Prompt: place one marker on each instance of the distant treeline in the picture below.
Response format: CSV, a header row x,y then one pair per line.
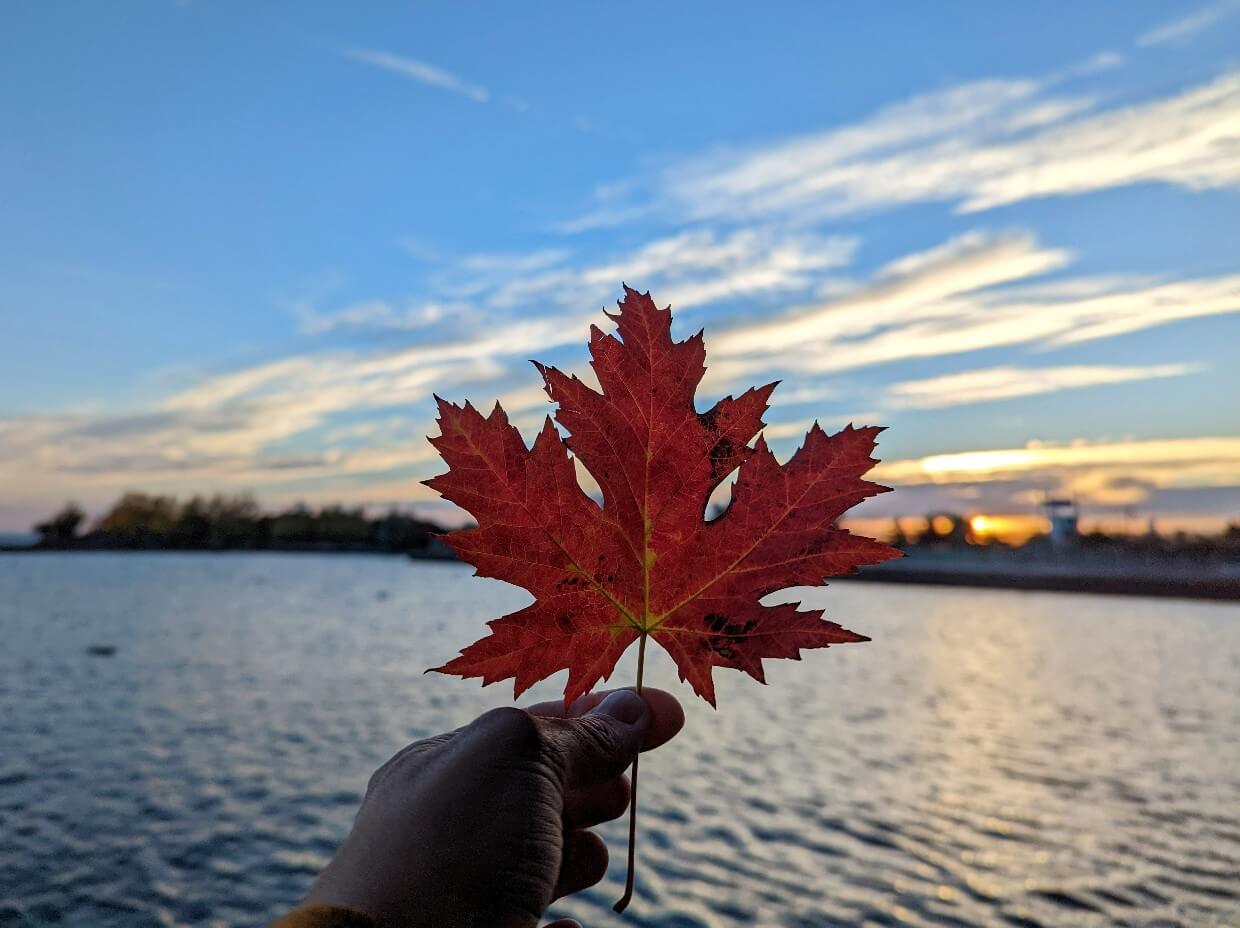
x,y
952,532
147,522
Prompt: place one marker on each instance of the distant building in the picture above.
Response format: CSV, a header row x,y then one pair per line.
x,y
1063,518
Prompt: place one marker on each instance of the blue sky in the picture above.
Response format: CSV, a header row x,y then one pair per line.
x,y
241,244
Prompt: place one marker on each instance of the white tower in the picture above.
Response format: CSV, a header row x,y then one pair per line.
x,y
1062,515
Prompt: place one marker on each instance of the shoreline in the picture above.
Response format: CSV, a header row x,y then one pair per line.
x,y
1189,586
1110,578
416,555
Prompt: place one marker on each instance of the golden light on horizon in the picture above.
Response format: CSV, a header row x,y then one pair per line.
x,y
981,524
1010,529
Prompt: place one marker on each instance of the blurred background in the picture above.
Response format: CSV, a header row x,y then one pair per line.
x,y
242,244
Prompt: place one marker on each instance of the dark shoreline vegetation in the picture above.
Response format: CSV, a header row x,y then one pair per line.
x,y
144,522
1150,564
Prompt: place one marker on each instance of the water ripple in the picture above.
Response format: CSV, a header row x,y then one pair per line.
x,y
992,758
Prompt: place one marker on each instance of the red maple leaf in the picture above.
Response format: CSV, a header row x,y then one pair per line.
x,y
646,563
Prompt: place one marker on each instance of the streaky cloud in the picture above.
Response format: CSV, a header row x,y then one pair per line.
x,y
1183,29
1105,472
964,296
976,147
1009,382
420,71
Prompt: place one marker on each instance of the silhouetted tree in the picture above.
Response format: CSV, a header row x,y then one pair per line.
x,y
145,521
139,520
193,528
62,528
234,521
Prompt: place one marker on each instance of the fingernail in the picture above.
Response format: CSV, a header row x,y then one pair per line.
x,y
623,706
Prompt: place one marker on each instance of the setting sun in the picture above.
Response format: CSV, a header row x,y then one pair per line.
x,y
1010,529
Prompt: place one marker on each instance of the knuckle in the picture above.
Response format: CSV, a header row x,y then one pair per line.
x,y
406,762
376,780
379,779
511,728
601,741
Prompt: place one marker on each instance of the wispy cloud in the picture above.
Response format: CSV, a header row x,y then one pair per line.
x,y
977,146
870,324
318,420
966,294
1096,64
697,267
1182,30
960,297
692,268
434,76
778,431
309,419
374,315
419,71
1007,382
1110,473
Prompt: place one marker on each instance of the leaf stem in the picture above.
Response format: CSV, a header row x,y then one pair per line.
x,y
624,900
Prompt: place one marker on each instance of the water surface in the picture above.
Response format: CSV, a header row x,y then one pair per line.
x,y
991,758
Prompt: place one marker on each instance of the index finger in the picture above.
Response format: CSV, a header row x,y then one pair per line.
x,y
666,716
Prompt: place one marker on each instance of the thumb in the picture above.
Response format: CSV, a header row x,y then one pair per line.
x,y
600,744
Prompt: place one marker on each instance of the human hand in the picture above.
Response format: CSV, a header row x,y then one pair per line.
x,y
485,826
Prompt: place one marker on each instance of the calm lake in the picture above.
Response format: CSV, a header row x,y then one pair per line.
x,y
991,758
